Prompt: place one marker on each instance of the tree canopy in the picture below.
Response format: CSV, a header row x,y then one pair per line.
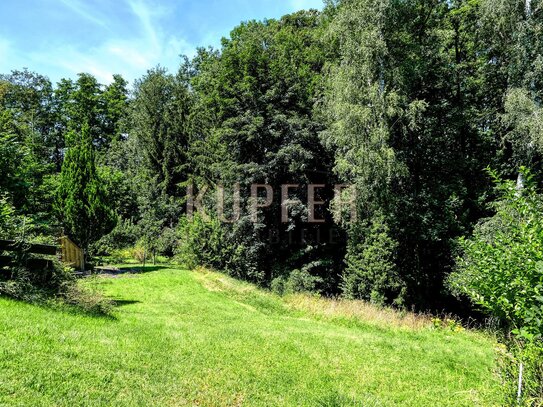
x,y
408,102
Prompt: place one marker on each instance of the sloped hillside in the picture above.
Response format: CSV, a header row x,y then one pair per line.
x,y
200,338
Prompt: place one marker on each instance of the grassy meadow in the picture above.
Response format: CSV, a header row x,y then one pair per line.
x,y
180,337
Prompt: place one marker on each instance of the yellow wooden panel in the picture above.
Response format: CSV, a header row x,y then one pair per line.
x,y
72,255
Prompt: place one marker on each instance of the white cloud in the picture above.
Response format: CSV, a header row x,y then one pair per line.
x,y
82,10
126,36
142,11
175,47
129,55
72,61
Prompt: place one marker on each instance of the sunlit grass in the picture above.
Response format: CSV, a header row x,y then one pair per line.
x,y
335,309
198,338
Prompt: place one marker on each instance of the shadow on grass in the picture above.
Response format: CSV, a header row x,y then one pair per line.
x,y
117,271
122,303
59,304
146,269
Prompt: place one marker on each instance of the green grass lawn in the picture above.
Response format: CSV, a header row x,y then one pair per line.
x,y
186,338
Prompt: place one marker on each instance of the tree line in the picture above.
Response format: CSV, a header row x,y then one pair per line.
x,y
408,101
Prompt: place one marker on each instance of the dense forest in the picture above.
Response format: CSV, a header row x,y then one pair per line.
x,y
389,151
421,107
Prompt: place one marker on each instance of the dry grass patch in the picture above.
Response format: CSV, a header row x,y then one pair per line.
x,y
358,310
329,308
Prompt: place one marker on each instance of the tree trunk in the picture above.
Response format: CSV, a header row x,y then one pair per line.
x,y
520,182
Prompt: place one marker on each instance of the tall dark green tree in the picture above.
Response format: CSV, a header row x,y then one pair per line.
x,y
408,121
115,105
82,204
26,126
161,124
257,93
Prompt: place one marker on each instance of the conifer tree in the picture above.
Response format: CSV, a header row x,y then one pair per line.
x,y
81,202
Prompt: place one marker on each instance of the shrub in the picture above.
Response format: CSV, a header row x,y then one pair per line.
x,y
167,242
243,251
371,272
232,248
124,235
23,283
55,285
278,285
298,281
500,268
119,256
139,253
301,281
6,217
200,242
84,299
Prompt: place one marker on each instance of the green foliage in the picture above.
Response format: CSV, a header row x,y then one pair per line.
x,y
371,273
200,242
408,101
32,285
359,107
411,106
82,204
159,216
501,266
205,242
123,235
86,102
448,324
25,153
115,108
298,281
509,361
161,123
7,221
54,285
525,120
255,98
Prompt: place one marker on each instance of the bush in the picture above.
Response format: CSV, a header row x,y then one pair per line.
x,y
139,253
119,256
371,272
298,281
500,268
124,235
55,285
84,299
243,251
200,242
278,285
301,281
7,217
168,242
27,284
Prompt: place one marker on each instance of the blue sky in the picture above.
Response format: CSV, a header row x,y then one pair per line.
x,y
60,38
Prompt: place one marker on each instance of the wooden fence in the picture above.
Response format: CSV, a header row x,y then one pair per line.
x,y
70,254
